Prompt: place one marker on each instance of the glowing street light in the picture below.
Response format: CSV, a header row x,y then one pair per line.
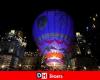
x,y
78,34
94,19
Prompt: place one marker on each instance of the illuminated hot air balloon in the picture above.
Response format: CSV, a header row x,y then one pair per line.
x,y
53,32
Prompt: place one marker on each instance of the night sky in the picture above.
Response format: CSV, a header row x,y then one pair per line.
x,y
21,15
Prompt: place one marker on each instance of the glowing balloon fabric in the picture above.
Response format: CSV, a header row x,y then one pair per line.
x,y
53,31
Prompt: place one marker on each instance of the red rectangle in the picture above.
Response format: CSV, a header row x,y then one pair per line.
x,y
51,75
